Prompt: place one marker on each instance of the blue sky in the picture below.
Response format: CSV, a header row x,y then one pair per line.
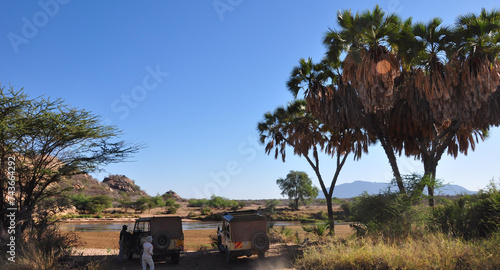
x,y
191,79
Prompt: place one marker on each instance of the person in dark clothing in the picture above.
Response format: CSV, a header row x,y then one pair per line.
x,y
123,235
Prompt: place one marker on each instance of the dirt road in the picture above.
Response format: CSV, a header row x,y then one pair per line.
x,y
278,257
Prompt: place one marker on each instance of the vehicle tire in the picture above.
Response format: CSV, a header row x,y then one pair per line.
x,y
161,240
219,244
228,255
260,242
176,258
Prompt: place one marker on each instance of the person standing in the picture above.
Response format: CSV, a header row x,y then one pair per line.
x,y
147,253
121,242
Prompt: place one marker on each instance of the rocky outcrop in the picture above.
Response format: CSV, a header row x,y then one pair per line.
x,y
122,183
172,194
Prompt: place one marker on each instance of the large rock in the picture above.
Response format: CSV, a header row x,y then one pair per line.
x,y
172,194
122,183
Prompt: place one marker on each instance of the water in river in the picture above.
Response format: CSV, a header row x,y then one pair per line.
x,y
190,225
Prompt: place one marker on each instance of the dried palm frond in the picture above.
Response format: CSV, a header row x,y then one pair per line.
x,y
372,75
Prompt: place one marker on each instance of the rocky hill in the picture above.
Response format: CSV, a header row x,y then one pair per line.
x,y
115,186
121,183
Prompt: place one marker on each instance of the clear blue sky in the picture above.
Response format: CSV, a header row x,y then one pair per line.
x,y
191,79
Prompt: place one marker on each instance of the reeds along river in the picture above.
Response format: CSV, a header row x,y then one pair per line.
x,y
114,226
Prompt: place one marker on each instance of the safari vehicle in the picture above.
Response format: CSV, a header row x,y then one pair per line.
x,y
168,238
243,233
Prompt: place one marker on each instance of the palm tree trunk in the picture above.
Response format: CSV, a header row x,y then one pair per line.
x,y
384,141
331,221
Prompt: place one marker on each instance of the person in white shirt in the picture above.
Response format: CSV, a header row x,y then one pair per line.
x,y
147,253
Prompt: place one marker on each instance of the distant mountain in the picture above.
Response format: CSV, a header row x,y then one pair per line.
x,y
356,188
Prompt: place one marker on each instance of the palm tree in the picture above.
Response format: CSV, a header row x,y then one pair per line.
x,y
293,126
421,89
365,93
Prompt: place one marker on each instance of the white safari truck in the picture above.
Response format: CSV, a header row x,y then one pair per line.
x,y
243,233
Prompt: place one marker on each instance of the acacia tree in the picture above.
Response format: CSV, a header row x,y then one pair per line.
x,y
294,127
298,187
50,141
422,89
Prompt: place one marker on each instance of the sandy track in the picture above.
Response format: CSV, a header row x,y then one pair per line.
x,y
103,247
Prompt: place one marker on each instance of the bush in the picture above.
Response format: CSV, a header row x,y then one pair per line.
x,y
197,203
221,202
97,204
93,205
389,214
271,205
435,251
205,210
172,210
318,229
470,216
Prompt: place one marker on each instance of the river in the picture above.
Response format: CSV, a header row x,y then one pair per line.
x,y
114,226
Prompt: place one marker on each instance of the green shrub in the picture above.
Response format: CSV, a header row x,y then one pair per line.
x,y
221,202
389,214
319,229
205,210
172,210
470,216
197,203
271,205
96,204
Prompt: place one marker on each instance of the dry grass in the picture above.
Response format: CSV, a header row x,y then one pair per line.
x,y
436,251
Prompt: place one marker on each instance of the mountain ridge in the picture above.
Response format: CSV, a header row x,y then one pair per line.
x,y
356,188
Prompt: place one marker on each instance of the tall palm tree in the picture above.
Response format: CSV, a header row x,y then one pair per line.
x,y
294,127
422,89
365,93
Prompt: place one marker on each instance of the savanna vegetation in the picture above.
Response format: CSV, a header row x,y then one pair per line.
x,y
420,90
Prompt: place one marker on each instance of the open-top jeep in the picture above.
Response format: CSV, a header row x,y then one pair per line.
x,y
243,233
168,238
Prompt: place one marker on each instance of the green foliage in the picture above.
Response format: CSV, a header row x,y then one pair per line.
x,y
298,187
172,210
79,201
205,210
197,202
221,202
52,133
389,214
470,216
271,205
172,206
158,201
97,204
319,229
125,203
93,205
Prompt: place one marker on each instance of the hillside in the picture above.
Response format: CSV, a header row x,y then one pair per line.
x,y
114,186
356,188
